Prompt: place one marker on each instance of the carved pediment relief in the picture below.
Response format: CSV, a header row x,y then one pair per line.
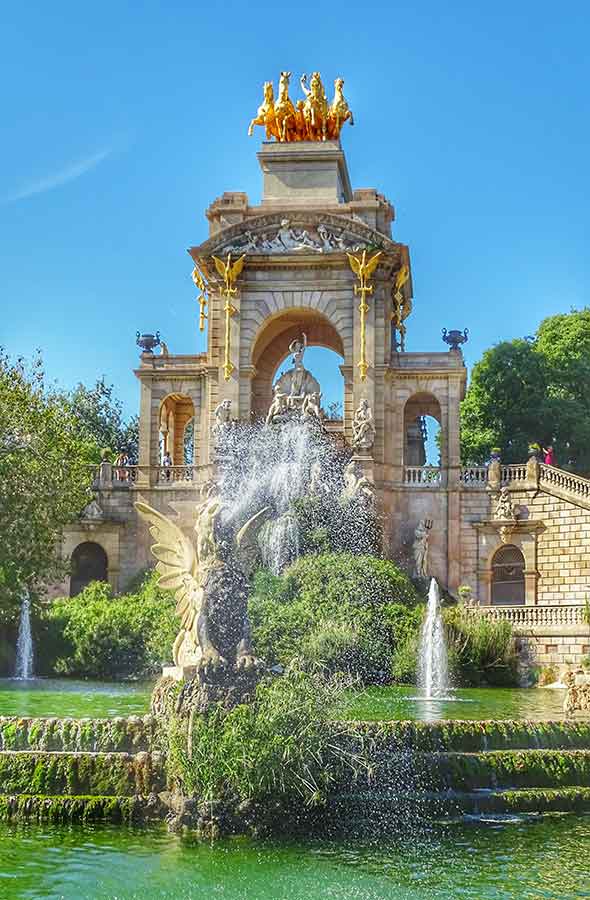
x,y
297,233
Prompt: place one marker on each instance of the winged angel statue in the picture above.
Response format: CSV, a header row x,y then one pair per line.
x,y
209,578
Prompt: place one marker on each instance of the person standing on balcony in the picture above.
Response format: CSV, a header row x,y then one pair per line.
x,y
167,463
121,464
549,455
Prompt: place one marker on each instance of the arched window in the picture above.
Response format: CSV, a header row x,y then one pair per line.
x,y
89,563
422,444
176,411
508,576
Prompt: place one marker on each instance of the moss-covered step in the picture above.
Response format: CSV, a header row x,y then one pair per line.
x,y
98,774
466,736
47,808
130,734
367,810
505,769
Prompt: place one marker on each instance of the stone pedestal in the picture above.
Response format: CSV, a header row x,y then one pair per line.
x,y
309,174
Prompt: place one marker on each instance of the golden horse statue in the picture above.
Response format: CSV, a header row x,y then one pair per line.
x,y
285,116
311,119
266,113
340,111
315,107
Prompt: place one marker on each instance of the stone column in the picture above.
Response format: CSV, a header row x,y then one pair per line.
x,y
145,460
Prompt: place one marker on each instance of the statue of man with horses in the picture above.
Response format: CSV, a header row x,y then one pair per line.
x,y
311,119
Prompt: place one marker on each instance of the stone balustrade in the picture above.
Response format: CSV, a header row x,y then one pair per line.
x,y
423,476
514,473
474,476
567,482
111,476
534,616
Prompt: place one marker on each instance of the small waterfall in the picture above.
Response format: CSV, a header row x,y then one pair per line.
x,y
24,644
280,543
433,670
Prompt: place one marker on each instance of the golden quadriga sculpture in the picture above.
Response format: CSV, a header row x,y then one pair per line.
x,y
311,119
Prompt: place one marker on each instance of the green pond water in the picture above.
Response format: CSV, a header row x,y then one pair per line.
x,y
65,697
401,702
544,858
79,699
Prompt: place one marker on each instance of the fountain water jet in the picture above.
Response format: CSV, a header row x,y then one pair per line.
x,y
433,669
24,644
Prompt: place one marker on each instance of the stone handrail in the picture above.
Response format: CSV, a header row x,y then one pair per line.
x,y
423,476
175,474
474,476
110,475
532,616
513,473
125,474
567,482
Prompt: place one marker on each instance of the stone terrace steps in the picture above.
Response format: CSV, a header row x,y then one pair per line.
x,y
43,772
79,808
131,734
467,735
444,769
80,769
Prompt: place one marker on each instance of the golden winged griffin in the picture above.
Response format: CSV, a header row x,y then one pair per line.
x,y
209,577
311,119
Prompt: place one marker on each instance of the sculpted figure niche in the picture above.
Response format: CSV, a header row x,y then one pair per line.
x,y
363,427
296,393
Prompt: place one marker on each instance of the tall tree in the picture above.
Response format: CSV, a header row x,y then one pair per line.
x,y
44,479
100,415
533,390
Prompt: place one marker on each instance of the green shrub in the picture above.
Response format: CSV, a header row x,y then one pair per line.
x,y
278,752
337,611
98,635
480,650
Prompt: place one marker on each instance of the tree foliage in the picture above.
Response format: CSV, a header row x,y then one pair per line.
x,y
537,390
98,635
101,419
44,479
336,611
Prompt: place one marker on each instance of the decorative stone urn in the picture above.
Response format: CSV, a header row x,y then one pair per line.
x,y
148,342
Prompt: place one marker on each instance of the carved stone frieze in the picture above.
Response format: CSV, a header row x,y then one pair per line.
x,y
299,232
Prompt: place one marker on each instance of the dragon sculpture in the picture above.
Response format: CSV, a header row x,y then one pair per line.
x,y
209,577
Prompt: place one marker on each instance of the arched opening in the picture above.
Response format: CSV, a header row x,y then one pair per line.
x,y
271,351
89,563
508,576
422,431
324,364
177,412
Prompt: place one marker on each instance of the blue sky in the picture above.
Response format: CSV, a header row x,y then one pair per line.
x,y
122,122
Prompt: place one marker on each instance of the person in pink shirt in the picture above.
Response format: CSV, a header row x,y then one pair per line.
x,y
549,455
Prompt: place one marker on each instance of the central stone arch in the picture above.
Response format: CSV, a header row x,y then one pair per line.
x,y
270,347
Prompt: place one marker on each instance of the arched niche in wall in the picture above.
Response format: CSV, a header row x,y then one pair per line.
x,y
508,583
89,562
271,349
422,424
177,411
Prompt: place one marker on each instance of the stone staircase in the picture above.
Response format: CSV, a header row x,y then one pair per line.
x,y
454,769
114,770
80,769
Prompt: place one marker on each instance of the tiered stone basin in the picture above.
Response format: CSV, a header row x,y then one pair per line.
x,y
69,768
